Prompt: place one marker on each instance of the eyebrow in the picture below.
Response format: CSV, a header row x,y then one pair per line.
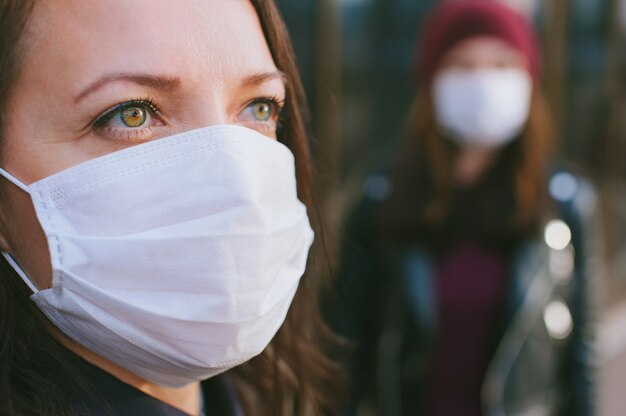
x,y
264,77
168,83
156,82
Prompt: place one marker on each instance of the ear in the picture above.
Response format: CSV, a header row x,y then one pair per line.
x,y
17,216
21,236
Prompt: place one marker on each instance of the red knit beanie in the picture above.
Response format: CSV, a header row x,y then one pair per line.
x,y
455,21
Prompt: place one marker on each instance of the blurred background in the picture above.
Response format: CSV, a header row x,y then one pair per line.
x,y
356,58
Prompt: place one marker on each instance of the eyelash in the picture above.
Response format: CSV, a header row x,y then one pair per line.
x,y
278,105
147,103
100,124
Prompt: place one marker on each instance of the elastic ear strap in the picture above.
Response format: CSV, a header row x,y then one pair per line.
x,y
14,181
19,271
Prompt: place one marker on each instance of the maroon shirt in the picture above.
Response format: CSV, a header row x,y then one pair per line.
x,y
470,285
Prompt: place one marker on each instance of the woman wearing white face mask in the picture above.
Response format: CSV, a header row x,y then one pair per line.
x,y
154,213
467,286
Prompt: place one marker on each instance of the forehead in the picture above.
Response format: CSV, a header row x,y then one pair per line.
x,y
483,46
78,40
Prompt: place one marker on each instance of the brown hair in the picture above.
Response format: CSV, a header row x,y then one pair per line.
x,y
292,376
423,177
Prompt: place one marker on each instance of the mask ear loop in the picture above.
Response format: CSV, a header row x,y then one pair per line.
x,y
6,255
19,271
15,181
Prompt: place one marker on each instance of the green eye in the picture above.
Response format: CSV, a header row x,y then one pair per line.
x,y
133,116
262,111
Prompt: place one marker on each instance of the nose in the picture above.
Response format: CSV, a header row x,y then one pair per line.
x,y
209,109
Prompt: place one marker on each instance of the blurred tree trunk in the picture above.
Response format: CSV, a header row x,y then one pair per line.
x,y
556,57
614,150
328,115
611,155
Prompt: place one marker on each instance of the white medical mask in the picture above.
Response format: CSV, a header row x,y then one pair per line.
x,y
483,108
177,259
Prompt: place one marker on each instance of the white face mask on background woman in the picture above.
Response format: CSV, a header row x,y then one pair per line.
x,y
178,258
485,108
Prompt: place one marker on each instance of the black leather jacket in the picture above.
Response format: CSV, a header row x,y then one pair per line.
x,y
543,364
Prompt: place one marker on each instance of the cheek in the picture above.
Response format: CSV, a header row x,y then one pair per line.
x,y
24,236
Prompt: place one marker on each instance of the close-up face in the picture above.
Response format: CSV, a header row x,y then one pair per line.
x,y
95,78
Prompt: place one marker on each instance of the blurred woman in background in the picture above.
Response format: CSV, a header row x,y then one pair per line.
x,y
465,281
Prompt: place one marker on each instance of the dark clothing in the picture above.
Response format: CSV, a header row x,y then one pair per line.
x,y
470,287
396,307
110,396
